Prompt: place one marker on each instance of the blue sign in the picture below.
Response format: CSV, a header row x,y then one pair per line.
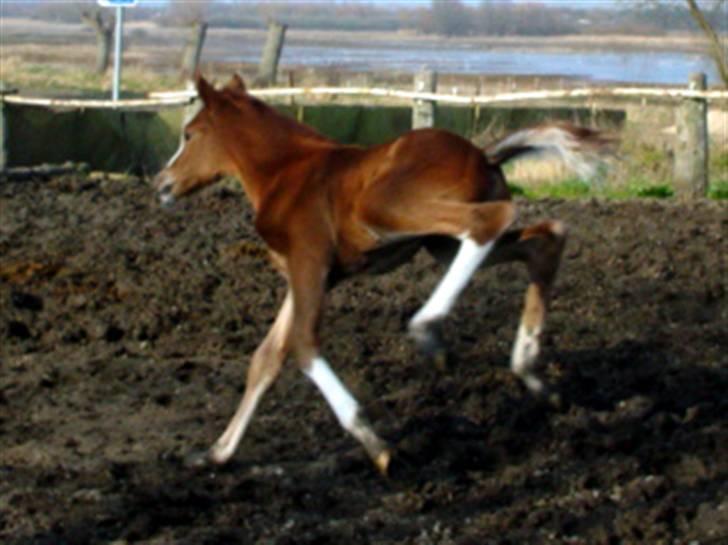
x,y
118,3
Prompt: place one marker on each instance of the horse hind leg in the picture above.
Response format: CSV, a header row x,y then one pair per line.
x,y
540,247
481,226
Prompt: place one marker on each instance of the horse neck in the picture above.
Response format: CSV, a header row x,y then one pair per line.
x,y
264,143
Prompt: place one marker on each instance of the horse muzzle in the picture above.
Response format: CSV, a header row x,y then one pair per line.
x,y
164,185
166,197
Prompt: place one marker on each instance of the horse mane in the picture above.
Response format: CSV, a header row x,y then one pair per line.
x,y
241,98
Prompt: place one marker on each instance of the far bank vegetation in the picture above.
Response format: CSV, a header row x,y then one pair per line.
x,y
443,17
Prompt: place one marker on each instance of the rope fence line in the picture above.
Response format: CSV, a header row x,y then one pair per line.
x,y
585,92
182,98
151,103
690,147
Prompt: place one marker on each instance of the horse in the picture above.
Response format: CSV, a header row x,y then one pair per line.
x,y
327,211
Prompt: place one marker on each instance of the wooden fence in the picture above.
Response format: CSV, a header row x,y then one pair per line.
x,y
691,148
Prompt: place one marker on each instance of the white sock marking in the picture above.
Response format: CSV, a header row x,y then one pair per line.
x,y
341,401
468,259
525,349
525,352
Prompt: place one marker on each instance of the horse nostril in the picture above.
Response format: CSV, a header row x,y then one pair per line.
x,y
166,198
164,193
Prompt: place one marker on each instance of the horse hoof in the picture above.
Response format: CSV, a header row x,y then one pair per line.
x,y
554,400
198,459
382,462
542,391
428,340
440,360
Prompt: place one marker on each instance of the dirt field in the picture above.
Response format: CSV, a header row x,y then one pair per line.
x,y
124,335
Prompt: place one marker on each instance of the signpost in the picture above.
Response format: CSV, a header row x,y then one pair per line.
x,y
118,39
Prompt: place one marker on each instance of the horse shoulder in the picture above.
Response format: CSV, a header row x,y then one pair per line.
x,y
294,210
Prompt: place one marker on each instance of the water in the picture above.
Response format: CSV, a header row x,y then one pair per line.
x,y
662,68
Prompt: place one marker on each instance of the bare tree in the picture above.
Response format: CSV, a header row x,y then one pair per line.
x,y
104,33
189,13
450,18
717,49
193,48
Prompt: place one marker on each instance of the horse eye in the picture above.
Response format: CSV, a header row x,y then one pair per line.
x,y
187,136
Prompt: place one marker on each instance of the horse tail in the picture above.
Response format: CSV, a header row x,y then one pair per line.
x,y
581,149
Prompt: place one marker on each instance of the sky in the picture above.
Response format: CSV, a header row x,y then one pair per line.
x,y
402,3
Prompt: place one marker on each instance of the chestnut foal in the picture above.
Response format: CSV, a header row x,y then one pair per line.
x,y
327,211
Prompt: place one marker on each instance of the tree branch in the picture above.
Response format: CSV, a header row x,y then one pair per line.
x,y
717,50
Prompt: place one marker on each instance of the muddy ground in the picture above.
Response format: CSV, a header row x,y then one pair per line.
x,y
124,336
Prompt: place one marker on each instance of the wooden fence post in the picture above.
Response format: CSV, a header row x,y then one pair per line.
x,y
193,48
268,68
423,111
4,140
691,144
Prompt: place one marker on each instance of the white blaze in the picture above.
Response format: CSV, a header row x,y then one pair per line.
x,y
181,147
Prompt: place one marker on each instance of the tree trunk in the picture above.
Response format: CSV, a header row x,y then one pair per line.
x,y
717,50
104,34
193,49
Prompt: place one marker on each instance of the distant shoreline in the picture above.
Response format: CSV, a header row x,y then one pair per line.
x,y
337,56
15,31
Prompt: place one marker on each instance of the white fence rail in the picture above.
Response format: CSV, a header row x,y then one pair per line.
x,y
81,104
378,92
181,98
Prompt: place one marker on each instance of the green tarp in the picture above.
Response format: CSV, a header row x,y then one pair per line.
x,y
143,141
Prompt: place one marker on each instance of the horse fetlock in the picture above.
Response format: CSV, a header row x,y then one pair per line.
x,y
525,349
524,356
534,384
377,449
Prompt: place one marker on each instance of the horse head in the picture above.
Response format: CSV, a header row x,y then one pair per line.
x,y
202,157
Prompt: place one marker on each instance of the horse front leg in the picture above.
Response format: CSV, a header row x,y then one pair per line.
x,y
264,367
307,279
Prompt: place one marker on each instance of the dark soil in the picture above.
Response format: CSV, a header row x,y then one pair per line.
x,y
124,337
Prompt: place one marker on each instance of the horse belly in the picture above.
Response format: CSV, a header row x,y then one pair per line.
x,y
389,256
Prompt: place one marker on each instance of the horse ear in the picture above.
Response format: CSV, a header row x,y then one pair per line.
x,y
236,83
205,91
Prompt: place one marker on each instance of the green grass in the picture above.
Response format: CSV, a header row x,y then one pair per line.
x,y
718,190
567,189
656,191
62,80
576,189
